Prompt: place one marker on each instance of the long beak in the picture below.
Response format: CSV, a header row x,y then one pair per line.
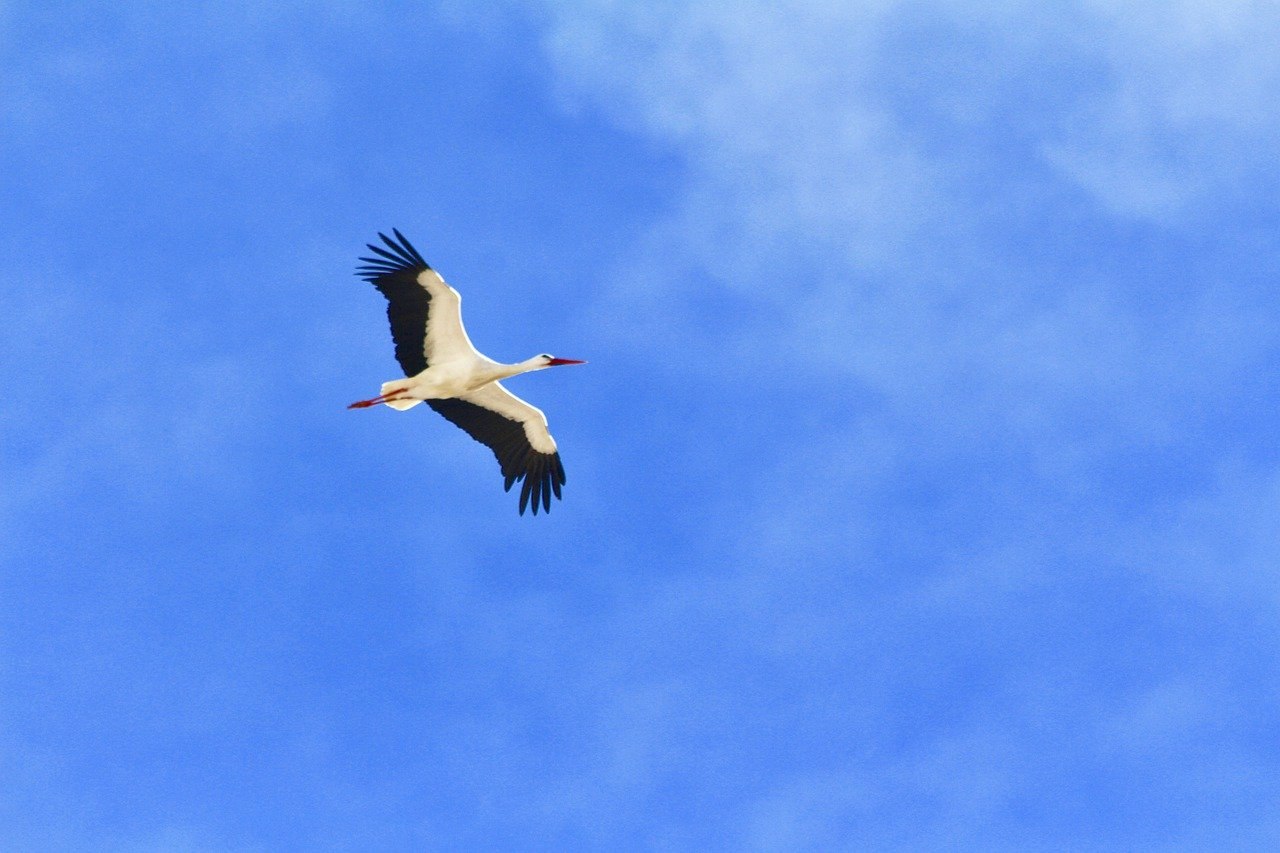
x,y
555,361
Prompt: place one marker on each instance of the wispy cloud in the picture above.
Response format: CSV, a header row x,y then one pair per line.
x,y
1181,118
1008,342
922,477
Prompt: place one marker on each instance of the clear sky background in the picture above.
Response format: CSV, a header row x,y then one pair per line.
x,y
923,487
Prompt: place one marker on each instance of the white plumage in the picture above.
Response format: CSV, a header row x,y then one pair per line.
x,y
443,369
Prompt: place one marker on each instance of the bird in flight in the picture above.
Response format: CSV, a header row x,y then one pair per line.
x,y
450,375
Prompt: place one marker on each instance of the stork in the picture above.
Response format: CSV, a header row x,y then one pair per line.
x,y
450,375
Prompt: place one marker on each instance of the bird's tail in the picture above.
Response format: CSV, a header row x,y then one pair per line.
x,y
400,405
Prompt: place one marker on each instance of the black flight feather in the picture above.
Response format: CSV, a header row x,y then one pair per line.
x,y
540,473
408,302
394,271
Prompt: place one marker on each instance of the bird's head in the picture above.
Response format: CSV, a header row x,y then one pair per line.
x,y
552,361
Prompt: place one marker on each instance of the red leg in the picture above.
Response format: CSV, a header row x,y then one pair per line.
x,y
388,397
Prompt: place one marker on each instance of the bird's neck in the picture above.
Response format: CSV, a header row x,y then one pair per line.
x,y
505,370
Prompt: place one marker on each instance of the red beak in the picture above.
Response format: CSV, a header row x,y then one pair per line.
x,y
553,362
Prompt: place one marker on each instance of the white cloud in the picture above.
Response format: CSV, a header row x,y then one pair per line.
x,y
843,243
926,256
825,221
832,234
1184,117
793,121
773,104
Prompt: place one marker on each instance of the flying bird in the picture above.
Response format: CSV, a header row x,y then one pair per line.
x,y
450,375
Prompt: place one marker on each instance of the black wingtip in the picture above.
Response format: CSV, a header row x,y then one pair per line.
x,y
544,478
397,256
535,477
541,476
404,241
525,490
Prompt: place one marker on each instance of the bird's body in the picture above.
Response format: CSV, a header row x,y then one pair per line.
x,y
444,370
454,378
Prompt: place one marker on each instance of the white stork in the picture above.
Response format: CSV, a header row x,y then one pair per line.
x,y
447,373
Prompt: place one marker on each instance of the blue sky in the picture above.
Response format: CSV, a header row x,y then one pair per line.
x,y
922,488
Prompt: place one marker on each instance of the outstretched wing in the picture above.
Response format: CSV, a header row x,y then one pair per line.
x,y
517,434
425,313
395,274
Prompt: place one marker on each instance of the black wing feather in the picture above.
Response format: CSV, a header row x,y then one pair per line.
x,y
394,271
407,246
395,274
524,495
541,473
